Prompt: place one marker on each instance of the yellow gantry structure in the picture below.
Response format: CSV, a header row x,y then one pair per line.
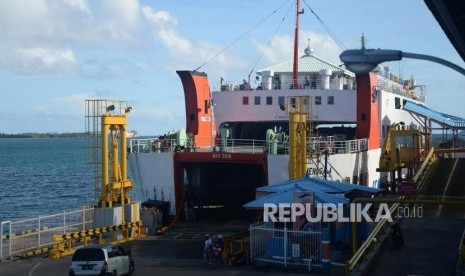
x,y
106,126
114,188
298,108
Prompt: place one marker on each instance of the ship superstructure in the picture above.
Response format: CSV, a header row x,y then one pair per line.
x,y
237,133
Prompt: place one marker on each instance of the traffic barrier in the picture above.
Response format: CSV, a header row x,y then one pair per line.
x,y
230,245
64,244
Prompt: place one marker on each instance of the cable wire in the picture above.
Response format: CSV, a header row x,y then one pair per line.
x,y
241,36
330,32
272,38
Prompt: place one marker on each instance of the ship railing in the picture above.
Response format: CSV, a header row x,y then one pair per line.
x,y
397,88
328,144
34,236
158,145
241,145
334,84
314,144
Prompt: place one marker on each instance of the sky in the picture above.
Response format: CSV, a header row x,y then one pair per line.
x,y
55,54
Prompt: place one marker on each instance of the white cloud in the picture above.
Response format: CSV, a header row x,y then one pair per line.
x,y
164,28
119,18
78,4
281,48
184,52
52,32
72,105
323,45
61,114
71,100
39,60
156,121
127,12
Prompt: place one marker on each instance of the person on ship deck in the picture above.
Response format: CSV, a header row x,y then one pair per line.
x,y
306,83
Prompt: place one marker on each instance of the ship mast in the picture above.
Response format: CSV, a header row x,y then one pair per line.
x,y
295,68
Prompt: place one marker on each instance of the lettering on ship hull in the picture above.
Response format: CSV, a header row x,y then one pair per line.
x,y
221,156
318,171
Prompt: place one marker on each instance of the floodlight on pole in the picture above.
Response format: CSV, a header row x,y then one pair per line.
x,y
363,60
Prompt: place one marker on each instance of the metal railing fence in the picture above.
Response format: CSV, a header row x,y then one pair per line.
x,y
286,248
36,233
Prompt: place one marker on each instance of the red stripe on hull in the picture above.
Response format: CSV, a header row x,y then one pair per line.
x,y
367,110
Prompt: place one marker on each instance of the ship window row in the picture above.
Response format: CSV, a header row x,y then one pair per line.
x,y
281,100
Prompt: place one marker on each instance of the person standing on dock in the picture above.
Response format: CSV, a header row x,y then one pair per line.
x,y
218,250
207,248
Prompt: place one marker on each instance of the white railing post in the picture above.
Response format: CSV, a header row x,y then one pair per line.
x,y
285,245
84,219
38,233
10,241
9,237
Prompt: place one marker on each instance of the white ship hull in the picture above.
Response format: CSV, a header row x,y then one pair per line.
x,y
223,156
153,173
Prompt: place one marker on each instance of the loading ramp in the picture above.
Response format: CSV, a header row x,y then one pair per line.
x,y
430,241
446,180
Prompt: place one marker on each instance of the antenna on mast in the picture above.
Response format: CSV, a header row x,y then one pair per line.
x,y
363,41
295,68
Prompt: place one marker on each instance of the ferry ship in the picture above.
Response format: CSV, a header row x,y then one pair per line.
x,y
132,134
236,135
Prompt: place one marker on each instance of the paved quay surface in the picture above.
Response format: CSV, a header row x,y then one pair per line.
x,y
152,257
180,252
430,248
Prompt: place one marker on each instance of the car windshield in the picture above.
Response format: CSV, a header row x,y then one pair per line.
x,y
88,254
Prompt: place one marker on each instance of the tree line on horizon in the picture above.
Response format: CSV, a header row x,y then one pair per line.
x,y
44,135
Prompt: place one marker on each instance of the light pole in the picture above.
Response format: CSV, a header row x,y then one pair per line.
x,y
363,60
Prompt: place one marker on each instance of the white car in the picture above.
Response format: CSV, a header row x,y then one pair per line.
x,y
105,260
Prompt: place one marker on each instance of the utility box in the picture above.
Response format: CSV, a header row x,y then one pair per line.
x,y
109,216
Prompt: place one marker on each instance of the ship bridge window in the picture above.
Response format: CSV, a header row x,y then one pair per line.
x,y
317,100
330,100
245,100
281,100
269,100
397,103
257,100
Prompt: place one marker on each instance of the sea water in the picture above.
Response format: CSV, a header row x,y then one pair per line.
x,y
47,176
43,176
